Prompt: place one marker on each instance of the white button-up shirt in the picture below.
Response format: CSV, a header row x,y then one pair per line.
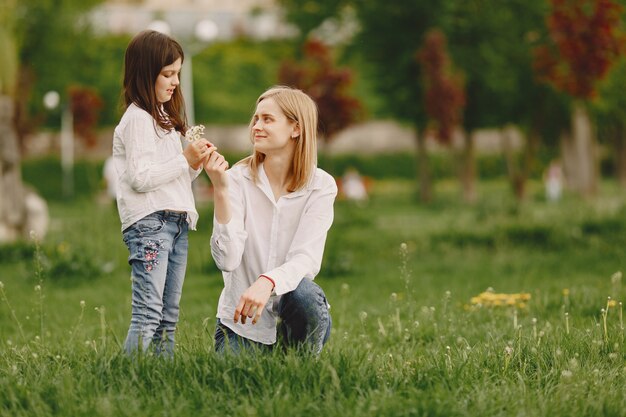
x,y
282,239
152,172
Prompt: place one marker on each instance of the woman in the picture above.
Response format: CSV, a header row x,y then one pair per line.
x,y
273,210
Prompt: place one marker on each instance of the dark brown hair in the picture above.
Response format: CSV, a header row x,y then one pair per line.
x,y
146,55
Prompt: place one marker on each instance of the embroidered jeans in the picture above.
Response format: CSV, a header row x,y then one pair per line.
x,y
304,322
157,246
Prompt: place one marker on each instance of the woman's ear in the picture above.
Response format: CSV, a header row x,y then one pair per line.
x,y
296,131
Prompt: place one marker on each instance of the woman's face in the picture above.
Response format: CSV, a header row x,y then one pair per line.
x,y
273,132
167,81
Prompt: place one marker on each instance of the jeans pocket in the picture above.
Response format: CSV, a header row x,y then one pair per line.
x,y
152,223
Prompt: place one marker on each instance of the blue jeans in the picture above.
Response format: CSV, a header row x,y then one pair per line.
x,y
304,321
157,246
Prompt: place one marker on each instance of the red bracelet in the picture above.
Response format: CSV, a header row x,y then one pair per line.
x,y
269,279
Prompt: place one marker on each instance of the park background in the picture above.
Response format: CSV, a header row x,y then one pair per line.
x,y
457,288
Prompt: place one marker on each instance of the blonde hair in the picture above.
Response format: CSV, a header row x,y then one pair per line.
x,y
301,109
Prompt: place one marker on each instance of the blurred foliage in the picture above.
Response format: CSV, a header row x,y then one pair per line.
x,y
585,40
328,85
46,176
52,39
229,76
8,47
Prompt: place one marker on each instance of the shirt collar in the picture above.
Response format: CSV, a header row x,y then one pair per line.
x,y
314,183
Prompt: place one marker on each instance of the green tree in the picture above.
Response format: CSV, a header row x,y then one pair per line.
x,y
609,111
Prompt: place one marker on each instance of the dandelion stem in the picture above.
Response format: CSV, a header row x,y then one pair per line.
x,y
19,325
605,313
566,323
103,328
39,287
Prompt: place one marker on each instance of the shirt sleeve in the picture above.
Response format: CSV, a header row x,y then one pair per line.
x,y
228,240
304,258
145,172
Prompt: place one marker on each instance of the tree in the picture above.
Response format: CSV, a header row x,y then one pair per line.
x,y
444,97
28,29
492,41
609,110
391,33
20,209
585,40
328,85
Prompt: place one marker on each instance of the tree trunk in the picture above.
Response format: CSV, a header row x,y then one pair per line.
x,y
424,177
620,155
468,169
21,210
515,173
579,153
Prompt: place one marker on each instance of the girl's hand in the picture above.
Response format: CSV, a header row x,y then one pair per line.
x,y
197,151
215,166
253,301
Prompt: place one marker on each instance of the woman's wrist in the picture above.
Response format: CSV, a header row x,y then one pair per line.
x,y
270,280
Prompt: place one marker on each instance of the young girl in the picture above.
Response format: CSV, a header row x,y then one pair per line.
x,y
272,213
154,197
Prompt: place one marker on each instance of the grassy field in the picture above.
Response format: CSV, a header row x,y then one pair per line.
x,y
411,335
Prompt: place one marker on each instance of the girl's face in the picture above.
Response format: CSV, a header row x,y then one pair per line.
x,y
167,81
273,132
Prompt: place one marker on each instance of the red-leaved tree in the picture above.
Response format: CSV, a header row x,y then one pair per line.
x,y
444,98
328,85
585,40
86,104
444,93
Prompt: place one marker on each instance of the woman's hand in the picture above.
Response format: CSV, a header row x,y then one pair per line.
x,y
215,166
197,151
253,301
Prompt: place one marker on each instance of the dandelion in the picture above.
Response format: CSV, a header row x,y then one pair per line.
x,y
566,323
394,297
37,288
612,355
345,289
82,303
567,374
616,281
449,357
194,133
363,316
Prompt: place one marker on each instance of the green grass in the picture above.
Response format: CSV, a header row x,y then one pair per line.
x,y
406,340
